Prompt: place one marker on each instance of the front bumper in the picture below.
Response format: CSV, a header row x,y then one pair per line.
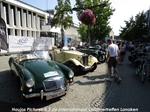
x,y
48,95
88,68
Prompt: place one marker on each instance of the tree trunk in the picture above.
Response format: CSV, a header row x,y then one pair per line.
x,y
62,36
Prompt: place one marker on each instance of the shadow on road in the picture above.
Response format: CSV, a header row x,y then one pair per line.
x,y
97,79
10,95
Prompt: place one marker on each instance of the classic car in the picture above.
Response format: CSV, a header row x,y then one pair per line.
x,y
75,60
96,51
39,76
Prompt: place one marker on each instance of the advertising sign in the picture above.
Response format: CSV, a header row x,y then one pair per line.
x,y
20,43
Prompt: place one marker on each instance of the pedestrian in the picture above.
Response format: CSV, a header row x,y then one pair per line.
x,y
111,59
122,49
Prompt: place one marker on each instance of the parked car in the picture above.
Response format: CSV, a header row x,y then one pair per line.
x,y
96,51
75,60
39,76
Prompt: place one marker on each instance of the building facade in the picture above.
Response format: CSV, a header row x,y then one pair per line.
x,y
24,20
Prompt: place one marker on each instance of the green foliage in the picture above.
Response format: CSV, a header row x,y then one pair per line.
x,y
101,28
62,16
135,28
83,32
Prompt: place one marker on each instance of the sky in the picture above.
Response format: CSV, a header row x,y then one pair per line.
x,y
124,10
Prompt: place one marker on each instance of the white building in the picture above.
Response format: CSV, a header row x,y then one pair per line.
x,y
111,34
71,32
21,18
24,20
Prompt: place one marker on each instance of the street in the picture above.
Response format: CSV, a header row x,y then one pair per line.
x,y
90,92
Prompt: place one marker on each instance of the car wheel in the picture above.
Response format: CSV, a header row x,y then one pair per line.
x,y
137,70
101,58
73,67
144,74
93,67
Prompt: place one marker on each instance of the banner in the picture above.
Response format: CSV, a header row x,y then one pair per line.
x,y
3,35
20,43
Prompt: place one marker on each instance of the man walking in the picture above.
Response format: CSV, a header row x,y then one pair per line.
x,y
113,53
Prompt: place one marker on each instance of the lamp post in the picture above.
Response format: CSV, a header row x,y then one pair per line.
x,y
89,26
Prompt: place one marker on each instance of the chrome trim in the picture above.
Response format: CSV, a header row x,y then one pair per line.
x,y
42,94
87,68
59,81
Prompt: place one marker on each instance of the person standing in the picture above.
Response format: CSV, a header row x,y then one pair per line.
x,y
122,48
111,59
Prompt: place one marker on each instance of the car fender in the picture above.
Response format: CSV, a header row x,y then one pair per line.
x,y
64,68
27,75
74,61
92,60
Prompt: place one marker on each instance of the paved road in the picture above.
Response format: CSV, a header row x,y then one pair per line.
x,y
131,94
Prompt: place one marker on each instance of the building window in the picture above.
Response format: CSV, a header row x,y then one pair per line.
x,y
21,32
15,32
19,10
9,32
27,33
7,12
13,8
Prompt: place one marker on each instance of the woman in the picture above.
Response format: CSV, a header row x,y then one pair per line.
x,y
122,49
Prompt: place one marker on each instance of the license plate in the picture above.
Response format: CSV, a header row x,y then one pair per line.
x,y
55,95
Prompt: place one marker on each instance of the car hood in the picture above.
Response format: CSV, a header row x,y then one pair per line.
x,y
42,69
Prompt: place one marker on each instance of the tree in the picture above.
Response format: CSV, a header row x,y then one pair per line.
x,y
101,28
62,17
135,28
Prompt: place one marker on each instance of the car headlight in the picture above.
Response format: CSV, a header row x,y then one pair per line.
x,y
71,74
30,83
91,56
79,57
96,52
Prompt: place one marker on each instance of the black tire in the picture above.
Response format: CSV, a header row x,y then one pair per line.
x,y
144,73
94,67
73,67
138,70
101,58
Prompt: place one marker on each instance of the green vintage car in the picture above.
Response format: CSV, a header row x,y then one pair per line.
x,y
75,60
39,76
96,51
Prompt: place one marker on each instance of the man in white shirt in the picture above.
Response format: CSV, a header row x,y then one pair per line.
x,y
113,52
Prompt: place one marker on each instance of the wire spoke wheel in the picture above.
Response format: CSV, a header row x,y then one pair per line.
x,y
101,58
144,73
73,67
138,70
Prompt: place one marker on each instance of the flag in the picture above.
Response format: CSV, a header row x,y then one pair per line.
x,y
3,35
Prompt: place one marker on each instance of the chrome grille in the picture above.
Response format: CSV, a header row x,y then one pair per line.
x,y
54,83
85,59
50,85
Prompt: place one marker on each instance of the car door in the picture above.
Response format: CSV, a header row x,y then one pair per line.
x,y
59,56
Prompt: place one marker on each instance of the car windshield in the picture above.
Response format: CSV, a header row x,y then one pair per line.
x,y
42,54
32,55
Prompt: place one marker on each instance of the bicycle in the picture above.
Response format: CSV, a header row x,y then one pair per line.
x,y
143,67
